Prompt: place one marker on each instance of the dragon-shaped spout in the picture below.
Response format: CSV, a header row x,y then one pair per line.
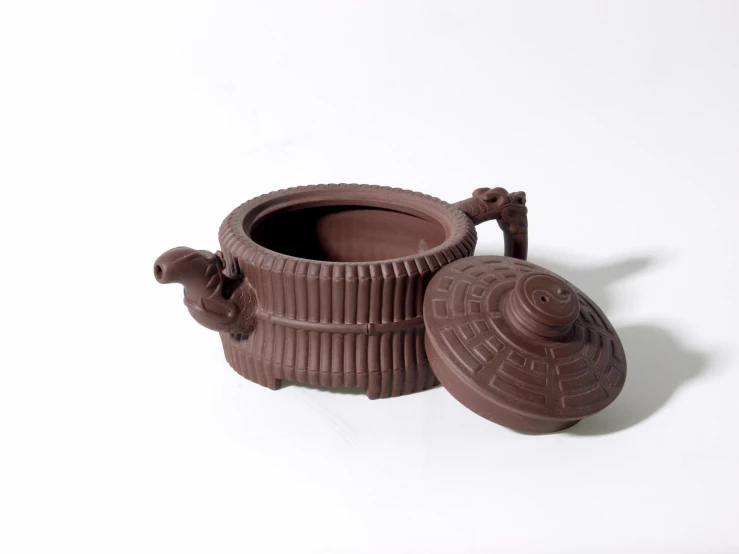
x,y
215,300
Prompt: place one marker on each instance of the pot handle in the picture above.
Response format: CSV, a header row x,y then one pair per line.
x,y
509,208
214,299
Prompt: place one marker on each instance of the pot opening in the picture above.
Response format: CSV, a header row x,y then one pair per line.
x,y
347,233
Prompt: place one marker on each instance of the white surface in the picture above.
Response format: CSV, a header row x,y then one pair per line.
x,y
128,128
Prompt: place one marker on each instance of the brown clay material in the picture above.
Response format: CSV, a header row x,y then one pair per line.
x,y
510,211
519,345
214,300
325,284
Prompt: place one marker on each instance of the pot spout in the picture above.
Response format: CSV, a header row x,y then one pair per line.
x,y
214,300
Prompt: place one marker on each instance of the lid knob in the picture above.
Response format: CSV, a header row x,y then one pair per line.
x,y
542,306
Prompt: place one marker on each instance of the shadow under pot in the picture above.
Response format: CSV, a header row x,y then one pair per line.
x,y
327,285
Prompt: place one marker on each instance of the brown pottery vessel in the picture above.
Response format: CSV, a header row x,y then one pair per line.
x,y
327,285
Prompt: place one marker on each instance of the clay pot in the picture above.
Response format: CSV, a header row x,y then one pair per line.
x,y
365,286
325,284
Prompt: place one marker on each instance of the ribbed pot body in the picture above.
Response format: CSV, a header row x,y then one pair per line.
x,y
339,274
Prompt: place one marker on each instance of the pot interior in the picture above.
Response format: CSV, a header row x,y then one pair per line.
x,y
347,233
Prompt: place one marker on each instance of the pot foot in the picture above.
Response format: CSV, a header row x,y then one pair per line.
x,y
270,383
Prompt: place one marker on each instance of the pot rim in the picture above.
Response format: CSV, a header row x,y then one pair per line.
x,y
459,242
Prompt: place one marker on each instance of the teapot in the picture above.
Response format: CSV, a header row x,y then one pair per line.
x,y
327,285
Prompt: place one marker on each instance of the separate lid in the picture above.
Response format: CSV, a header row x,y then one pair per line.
x,y
519,345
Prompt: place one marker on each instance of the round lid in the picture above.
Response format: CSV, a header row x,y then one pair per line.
x,y
519,345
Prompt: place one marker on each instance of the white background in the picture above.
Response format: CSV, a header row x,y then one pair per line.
x,y
127,128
